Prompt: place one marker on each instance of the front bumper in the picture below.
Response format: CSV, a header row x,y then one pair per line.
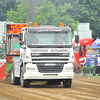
x,y
37,75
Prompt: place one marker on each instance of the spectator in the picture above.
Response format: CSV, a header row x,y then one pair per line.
x,y
96,60
88,63
95,63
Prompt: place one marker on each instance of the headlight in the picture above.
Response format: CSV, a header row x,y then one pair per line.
x,y
30,68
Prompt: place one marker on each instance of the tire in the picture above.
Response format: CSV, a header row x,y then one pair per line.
x,y
94,72
67,83
24,83
14,80
78,70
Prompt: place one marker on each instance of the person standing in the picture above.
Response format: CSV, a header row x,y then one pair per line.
x,y
95,63
96,60
88,63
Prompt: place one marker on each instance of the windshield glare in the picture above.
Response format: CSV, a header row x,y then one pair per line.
x,y
49,39
92,51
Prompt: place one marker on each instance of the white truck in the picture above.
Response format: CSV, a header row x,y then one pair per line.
x,y
46,54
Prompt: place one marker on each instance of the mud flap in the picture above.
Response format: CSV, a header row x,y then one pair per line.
x,y
17,64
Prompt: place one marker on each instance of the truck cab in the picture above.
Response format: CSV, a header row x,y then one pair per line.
x,y
46,54
12,45
79,53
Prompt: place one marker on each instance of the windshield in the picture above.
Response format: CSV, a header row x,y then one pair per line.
x,y
75,49
92,51
13,45
49,39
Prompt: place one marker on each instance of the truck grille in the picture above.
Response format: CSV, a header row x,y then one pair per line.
x,y
50,57
50,68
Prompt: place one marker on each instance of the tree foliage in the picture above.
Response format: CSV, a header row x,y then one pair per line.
x,y
67,18
6,5
31,6
84,11
88,11
17,16
47,15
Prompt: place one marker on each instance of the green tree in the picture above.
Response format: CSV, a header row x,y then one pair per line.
x,y
31,6
6,5
60,2
46,14
87,11
67,18
17,16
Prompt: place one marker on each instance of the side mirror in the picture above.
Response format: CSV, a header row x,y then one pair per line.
x,y
21,42
20,36
76,38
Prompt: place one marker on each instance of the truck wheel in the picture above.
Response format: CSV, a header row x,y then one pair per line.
x,y
24,83
67,83
14,80
94,72
78,70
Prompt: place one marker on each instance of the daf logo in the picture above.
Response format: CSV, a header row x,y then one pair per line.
x,y
50,64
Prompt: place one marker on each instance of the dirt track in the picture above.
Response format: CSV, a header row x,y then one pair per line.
x,y
83,88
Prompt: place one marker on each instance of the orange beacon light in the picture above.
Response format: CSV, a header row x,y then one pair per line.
x,y
35,24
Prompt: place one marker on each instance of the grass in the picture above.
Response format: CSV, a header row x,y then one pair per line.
x,y
88,75
8,67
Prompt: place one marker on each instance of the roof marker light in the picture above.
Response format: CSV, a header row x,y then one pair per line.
x,y
61,24
35,24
